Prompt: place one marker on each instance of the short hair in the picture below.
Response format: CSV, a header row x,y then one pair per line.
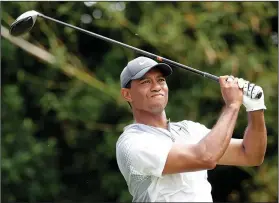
x,y
129,86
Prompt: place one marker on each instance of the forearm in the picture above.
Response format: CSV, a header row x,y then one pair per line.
x,y
214,145
255,137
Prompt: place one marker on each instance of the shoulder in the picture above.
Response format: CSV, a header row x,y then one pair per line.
x,y
131,132
138,137
132,135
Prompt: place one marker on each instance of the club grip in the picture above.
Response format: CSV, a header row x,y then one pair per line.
x,y
215,78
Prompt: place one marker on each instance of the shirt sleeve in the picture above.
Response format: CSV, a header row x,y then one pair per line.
x,y
147,154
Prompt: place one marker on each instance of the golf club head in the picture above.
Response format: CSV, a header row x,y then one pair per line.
x,y
23,23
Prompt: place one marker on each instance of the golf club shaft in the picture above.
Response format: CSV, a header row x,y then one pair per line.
x,y
158,58
145,53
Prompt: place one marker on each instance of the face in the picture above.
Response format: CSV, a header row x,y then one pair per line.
x,y
149,93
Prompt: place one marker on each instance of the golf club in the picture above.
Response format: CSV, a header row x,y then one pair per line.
x,y
26,21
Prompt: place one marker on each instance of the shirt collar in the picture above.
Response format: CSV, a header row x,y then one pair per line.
x,y
135,123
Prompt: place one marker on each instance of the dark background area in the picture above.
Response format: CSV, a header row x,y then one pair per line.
x,y
60,121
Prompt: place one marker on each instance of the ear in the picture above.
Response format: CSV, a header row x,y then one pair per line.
x,y
125,92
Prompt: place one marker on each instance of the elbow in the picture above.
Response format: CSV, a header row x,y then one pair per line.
x,y
210,164
208,161
258,161
254,158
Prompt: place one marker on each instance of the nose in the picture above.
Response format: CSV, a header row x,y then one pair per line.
x,y
155,87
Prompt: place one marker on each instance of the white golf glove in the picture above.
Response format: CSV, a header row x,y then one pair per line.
x,y
250,91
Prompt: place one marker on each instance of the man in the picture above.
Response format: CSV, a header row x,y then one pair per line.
x,y
168,161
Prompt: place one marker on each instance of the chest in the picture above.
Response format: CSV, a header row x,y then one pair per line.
x,y
180,134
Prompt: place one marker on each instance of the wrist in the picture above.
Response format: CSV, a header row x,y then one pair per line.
x,y
254,107
254,115
256,121
233,106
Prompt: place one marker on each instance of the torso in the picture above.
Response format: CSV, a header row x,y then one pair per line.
x,y
189,186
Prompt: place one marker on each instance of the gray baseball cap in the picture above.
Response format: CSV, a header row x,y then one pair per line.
x,y
138,67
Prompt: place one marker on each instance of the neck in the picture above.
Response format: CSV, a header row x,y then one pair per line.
x,y
151,119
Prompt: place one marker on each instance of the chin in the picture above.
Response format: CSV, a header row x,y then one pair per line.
x,y
157,109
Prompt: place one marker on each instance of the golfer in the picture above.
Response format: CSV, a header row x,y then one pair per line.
x,y
164,161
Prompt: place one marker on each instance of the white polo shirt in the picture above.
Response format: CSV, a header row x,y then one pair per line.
x,y
141,153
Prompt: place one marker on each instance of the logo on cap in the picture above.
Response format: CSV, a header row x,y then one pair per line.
x,y
141,63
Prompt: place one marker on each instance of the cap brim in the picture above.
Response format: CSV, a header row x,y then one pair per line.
x,y
166,70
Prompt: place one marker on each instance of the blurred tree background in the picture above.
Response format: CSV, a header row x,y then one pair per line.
x,y
61,106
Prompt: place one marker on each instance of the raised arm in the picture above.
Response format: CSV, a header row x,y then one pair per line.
x,y
250,150
255,137
206,153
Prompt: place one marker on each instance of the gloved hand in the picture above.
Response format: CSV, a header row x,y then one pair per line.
x,y
250,91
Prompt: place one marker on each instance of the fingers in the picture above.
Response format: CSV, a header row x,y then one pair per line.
x,y
231,93
256,90
223,80
241,83
226,80
249,89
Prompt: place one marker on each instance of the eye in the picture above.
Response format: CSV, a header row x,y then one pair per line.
x,y
162,80
144,82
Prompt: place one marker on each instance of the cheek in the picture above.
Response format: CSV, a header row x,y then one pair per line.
x,y
138,96
165,89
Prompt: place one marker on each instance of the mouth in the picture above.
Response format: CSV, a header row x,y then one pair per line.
x,y
157,95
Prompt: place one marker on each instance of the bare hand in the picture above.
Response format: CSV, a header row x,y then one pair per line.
x,y
230,90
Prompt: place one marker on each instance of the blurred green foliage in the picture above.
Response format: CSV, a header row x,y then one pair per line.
x,y
61,121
